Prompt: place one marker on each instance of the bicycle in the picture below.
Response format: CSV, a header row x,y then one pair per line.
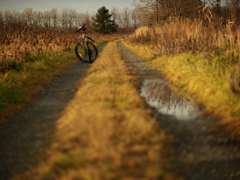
x,y
85,47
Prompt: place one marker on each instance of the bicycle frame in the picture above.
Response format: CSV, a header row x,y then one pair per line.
x,y
84,40
85,37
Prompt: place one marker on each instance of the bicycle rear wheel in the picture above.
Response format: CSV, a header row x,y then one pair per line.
x,y
92,52
80,51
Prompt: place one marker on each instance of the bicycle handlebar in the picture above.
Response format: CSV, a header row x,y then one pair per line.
x,y
82,28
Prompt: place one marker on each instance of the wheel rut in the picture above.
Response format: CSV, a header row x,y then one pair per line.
x,y
198,151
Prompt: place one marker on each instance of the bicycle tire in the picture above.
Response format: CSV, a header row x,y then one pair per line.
x,y
80,51
92,52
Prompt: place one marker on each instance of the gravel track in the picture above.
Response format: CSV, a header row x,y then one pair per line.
x,y
28,134
198,152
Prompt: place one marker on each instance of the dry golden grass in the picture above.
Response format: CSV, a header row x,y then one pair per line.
x,y
179,36
107,131
18,86
201,59
24,45
17,43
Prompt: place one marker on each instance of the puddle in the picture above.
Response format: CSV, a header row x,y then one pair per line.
x,y
160,96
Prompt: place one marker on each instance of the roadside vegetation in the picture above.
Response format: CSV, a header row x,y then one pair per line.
x,y
201,60
19,84
107,131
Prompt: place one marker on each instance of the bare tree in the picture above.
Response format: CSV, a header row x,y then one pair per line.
x,y
54,16
8,17
233,6
64,18
39,19
229,13
215,6
79,19
126,19
87,19
28,16
135,16
115,13
116,16
157,10
47,19
72,17
1,20
126,15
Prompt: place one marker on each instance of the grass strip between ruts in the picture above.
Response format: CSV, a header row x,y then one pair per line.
x,y
107,131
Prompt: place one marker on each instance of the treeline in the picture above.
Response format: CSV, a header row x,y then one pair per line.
x,y
158,11
146,12
126,19
65,19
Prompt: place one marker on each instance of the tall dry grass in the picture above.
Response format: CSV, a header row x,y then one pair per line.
x,y
179,36
218,43
202,60
19,45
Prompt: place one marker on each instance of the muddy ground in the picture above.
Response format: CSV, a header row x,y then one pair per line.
x,y
197,151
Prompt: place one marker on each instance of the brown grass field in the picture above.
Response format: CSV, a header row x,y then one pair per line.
x,y
22,45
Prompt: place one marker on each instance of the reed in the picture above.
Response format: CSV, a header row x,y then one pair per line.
x,y
179,36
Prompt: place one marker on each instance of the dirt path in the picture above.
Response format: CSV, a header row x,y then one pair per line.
x,y
26,135
198,152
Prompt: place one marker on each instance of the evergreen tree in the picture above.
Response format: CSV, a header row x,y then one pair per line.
x,y
103,23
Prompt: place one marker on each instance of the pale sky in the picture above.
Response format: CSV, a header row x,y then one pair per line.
x,y
90,6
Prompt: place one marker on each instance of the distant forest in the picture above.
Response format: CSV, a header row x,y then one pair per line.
x,y
144,13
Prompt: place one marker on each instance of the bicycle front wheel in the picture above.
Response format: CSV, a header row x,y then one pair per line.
x,y
92,52
80,51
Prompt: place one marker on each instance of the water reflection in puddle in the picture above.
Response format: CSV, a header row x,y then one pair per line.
x,y
159,95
